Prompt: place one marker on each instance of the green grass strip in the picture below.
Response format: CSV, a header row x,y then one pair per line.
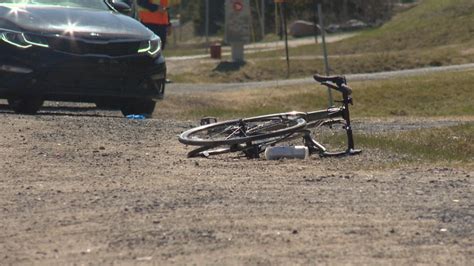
x,y
435,144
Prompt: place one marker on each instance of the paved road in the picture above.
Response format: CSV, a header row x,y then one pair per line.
x,y
187,88
267,46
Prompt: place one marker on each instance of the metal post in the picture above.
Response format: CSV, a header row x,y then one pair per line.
x,y
180,22
315,20
326,61
263,18
283,18
276,19
207,22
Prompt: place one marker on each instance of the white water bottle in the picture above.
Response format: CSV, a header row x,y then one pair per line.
x,y
290,152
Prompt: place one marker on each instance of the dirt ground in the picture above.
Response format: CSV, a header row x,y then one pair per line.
x,y
82,186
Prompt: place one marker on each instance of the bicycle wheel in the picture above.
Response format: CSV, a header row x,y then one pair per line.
x,y
249,149
244,130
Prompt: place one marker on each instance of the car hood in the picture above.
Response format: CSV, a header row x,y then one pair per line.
x,y
79,22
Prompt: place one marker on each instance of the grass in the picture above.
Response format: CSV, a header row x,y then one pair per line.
x,y
434,33
432,23
275,67
435,144
440,94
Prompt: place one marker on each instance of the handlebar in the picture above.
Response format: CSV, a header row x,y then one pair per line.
x,y
338,83
339,80
344,89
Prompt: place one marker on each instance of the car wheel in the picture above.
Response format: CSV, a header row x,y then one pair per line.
x,y
108,103
25,105
138,107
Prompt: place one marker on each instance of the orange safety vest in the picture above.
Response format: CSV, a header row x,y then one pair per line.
x,y
158,17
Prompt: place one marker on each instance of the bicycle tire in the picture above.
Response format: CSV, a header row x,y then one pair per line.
x,y
249,149
257,128
206,151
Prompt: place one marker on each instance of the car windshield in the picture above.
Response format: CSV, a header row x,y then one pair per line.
x,y
95,4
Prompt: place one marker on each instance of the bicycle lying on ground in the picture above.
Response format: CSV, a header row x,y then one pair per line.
x,y
253,135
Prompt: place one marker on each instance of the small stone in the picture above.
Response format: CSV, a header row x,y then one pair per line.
x,y
144,258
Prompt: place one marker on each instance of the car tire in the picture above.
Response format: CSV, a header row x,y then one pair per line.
x,y
138,107
25,105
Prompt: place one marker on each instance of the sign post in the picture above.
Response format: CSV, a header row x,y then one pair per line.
x,y
325,51
207,23
263,18
237,26
282,4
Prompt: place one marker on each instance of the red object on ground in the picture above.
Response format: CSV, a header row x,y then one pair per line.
x,y
216,51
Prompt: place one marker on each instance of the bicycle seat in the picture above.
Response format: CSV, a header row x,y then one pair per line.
x,y
339,80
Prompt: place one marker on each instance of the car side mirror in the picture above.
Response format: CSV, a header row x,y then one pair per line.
x,y
121,7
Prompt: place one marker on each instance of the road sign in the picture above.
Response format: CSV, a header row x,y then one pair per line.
x,y
237,26
237,16
237,6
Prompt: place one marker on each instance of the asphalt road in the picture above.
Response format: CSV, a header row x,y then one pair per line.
x,y
268,46
189,88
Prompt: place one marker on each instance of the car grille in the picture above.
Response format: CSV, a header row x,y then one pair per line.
x,y
91,75
83,47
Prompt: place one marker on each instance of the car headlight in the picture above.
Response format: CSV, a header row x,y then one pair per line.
x,y
152,47
23,40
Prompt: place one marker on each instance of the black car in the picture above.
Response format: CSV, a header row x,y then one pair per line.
x,y
78,50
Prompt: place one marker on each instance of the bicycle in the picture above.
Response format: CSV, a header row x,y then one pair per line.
x,y
253,135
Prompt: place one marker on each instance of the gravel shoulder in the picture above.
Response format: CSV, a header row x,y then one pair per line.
x,y
79,186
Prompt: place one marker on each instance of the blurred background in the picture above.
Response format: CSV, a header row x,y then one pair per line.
x,y
189,18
